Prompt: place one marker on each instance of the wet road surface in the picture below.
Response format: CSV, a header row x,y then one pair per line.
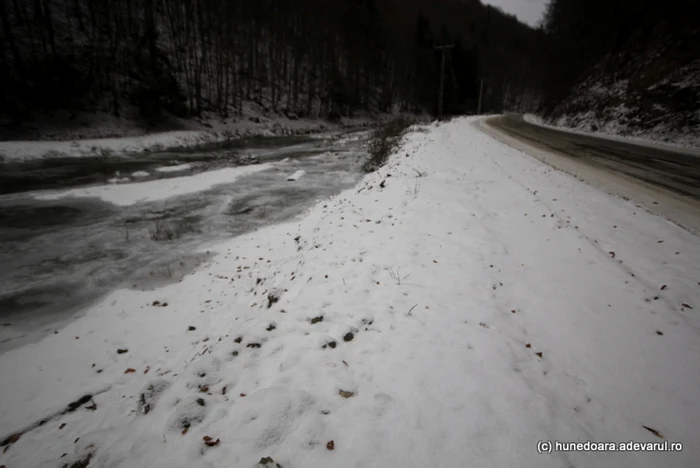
x,y
677,171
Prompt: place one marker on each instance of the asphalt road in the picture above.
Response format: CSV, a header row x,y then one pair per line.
x,y
676,171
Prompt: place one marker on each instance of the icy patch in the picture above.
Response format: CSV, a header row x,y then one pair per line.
x,y
178,168
118,180
296,176
128,194
140,174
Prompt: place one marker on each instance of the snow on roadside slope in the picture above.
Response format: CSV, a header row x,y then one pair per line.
x,y
153,190
402,320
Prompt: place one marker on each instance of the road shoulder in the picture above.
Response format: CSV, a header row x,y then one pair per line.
x,y
679,209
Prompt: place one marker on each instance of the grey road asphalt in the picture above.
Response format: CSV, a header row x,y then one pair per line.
x,y
676,171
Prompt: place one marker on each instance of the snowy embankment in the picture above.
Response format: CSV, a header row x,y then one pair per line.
x,y
214,132
455,308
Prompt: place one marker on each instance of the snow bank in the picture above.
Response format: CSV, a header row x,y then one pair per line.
x,y
458,306
208,129
154,190
22,150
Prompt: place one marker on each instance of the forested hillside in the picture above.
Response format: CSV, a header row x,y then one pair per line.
x,y
625,66
301,58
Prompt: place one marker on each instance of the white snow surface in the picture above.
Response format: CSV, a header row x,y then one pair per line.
x,y
470,260
154,190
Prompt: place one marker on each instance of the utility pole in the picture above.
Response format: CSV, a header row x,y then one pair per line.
x,y
443,49
481,94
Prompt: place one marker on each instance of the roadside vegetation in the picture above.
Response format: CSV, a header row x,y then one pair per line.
x,y
384,141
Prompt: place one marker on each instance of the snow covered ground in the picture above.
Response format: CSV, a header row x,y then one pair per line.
x,y
23,150
456,307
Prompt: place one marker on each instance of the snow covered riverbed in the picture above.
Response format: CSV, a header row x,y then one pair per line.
x,y
455,308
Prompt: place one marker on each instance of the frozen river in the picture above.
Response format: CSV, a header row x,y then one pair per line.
x,y
67,236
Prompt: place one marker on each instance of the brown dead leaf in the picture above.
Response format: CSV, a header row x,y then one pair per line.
x,y
528,345
663,287
130,371
539,354
223,390
184,431
612,254
145,371
330,445
346,394
11,440
435,261
654,431
243,394
204,389
210,442
686,306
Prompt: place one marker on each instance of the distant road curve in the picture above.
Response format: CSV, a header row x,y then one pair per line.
x,y
665,181
674,170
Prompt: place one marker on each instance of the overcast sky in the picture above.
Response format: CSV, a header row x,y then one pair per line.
x,y
527,11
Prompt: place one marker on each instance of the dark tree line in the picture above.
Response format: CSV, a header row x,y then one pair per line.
x,y
638,40
299,57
